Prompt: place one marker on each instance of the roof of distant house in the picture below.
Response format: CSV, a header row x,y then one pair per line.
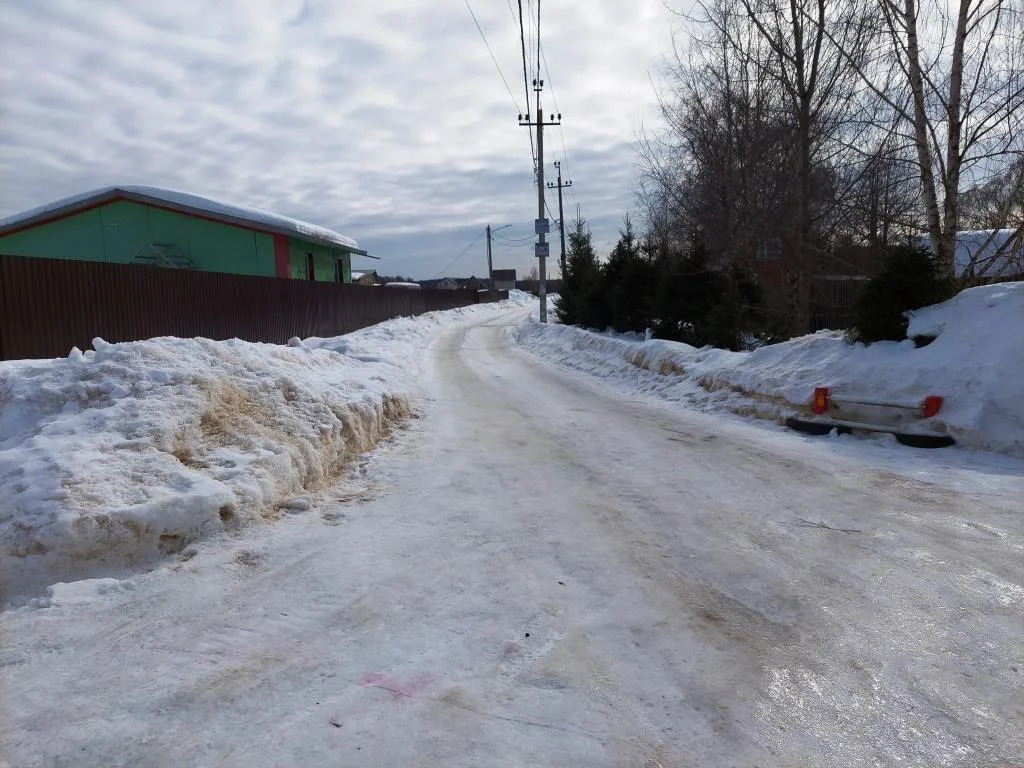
x,y
435,281
993,253
184,202
990,252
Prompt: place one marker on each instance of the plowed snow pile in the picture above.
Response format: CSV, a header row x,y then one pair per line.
x,y
976,362
113,457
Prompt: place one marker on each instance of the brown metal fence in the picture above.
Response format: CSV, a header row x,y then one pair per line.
x,y
833,300
48,306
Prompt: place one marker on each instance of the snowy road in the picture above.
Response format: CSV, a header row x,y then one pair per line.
x,y
538,572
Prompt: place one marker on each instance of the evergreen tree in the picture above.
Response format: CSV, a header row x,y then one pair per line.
x,y
688,291
910,278
629,283
580,302
738,311
700,305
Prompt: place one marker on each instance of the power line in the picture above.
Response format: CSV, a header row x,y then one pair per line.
x,y
507,244
500,73
541,82
461,254
522,239
538,39
530,33
512,11
561,133
526,85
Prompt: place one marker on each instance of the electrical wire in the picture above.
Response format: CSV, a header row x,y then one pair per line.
x,y
461,254
526,86
530,34
512,11
544,191
520,245
561,133
504,239
500,73
538,39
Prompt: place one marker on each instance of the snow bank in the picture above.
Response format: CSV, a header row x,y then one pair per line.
x,y
976,363
113,457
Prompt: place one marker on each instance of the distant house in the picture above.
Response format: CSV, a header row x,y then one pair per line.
x,y
504,279
162,227
831,286
365,278
404,285
472,283
989,254
986,255
443,284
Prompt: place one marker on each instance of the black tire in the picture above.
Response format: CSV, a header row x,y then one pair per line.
x,y
924,441
809,427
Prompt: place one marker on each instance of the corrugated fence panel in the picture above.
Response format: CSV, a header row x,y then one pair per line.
x,y
833,301
48,306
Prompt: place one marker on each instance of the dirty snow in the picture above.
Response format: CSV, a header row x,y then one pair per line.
x,y
540,571
116,456
976,363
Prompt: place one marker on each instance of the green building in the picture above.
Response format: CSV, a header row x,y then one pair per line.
x,y
149,225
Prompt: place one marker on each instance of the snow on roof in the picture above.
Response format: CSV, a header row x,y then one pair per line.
x,y
979,250
980,247
186,202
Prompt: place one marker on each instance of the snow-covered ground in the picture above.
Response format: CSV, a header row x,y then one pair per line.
x,y
976,363
112,458
541,571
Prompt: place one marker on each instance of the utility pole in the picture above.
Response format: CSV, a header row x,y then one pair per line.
x,y
541,226
561,215
490,267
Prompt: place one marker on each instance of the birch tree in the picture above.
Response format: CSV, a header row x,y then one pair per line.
x,y
815,46
951,71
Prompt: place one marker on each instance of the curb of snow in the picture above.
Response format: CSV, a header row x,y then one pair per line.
x,y
976,362
111,459
652,367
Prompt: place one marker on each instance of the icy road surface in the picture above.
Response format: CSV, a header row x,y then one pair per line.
x,y
540,572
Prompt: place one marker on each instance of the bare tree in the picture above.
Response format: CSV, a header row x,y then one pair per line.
x,y
998,203
765,130
815,45
882,201
723,167
951,71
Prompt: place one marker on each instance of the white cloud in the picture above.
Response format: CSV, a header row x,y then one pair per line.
x,y
385,119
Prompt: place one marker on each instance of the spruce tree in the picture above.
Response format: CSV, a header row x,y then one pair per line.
x,y
910,278
580,300
629,283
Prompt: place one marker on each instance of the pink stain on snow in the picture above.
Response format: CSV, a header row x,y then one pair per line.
x,y
399,689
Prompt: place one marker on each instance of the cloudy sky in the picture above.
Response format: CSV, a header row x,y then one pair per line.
x,y
383,119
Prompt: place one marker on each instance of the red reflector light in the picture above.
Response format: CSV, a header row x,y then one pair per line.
x,y
821,397
931,406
